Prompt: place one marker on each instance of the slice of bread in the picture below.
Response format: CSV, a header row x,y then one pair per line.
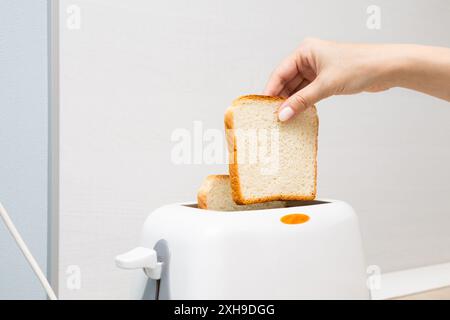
x,y
215,194
270,160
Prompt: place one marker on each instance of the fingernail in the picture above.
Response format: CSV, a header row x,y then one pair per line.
x,y
286,113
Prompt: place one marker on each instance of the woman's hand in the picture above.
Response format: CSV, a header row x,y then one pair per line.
x,y
319,69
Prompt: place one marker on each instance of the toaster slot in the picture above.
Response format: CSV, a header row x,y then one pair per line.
x,y
286,204
296,203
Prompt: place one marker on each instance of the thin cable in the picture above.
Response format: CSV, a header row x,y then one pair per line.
x,y
23,247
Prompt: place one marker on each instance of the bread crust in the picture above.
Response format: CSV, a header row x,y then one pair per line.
x,y
201,201
316,151
232,154
236,190
256,98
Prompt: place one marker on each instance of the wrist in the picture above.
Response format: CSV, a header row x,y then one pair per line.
x,y
397,64
408,65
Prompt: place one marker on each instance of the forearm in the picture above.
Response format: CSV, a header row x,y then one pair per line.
x,y
422,68
319,69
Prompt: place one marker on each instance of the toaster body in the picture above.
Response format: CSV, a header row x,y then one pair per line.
x,y
308,250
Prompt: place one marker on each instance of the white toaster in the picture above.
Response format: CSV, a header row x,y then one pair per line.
x,y
307,250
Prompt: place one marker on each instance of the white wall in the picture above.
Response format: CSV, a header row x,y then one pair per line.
x,y
137,70
23,141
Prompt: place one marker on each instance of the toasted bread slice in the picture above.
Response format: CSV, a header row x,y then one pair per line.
x,y
270,160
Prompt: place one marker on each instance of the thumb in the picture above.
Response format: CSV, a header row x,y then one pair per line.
x,y
302,99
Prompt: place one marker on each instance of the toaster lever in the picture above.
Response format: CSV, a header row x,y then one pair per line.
x,y
141,258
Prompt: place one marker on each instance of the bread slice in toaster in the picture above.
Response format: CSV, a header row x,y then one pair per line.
x,y
215,194
270,160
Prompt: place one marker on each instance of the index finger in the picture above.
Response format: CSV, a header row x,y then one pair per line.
x,y
282,75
